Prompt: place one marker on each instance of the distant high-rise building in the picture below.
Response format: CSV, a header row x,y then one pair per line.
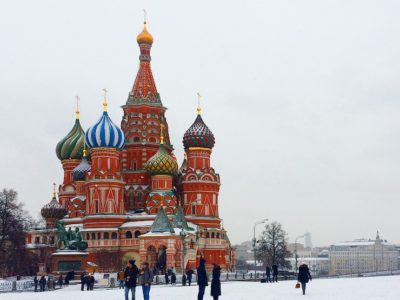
x,y
307,241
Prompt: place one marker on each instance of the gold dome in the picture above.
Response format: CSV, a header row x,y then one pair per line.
x,y
144,37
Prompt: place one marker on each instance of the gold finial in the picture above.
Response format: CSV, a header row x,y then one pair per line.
x,y
144,16
162,134
54,190
198,104
105,99
84,146
77,112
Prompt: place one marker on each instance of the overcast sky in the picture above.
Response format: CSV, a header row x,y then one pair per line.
x,y
302,96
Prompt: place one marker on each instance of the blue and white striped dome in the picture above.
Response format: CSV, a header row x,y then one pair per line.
x,y
105,134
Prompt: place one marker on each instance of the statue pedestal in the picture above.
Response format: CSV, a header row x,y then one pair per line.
x,y
67,260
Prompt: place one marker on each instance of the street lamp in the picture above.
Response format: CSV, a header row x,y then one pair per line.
x,y
295,249
254,243
183,235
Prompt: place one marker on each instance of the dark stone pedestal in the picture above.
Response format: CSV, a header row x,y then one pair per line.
x,y
67,260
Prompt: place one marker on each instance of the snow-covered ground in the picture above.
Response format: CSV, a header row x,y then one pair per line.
x,y
321,289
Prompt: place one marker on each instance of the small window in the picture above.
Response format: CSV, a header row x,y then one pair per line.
x,y
37,240
212,235
207,235
217,235
114,235
128,235
93,236
88,236
106,235
137,233
99,235
51,240
136,139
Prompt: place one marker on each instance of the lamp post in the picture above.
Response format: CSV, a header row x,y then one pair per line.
x,y
254,243
295,250
183,235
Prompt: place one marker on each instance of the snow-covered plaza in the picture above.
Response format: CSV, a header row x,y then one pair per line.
x,y
344,288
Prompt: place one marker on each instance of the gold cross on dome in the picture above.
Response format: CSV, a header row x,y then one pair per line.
x,y
162,133
144,16
198,103
105,99
77,112
54,189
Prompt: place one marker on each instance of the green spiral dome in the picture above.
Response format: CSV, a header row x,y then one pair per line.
x,y
162,163
71,147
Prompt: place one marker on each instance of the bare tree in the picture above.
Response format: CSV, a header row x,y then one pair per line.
x,y
14,222
272,247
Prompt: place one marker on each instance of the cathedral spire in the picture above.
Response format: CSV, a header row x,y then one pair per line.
x,y
144,89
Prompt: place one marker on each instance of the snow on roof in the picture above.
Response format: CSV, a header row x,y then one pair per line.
x,y
66,252
33,246
100,229
137,224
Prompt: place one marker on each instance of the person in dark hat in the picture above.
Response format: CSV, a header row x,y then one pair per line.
x,y
202,278
130,279
304,276
216,282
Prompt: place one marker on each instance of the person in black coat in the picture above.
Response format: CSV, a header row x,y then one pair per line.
x,y
130,277
274,273
173,278
60,281
189,275
91,282
42,283
184,279
202,279
268,273
35,281
304,276
216,282
166,278
83,281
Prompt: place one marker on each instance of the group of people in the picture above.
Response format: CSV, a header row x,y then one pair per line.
x,y
88,280
274,273
134,276
42,282
202,280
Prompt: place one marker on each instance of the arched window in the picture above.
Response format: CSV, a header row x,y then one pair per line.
x,y
51,240
193,208
128,235
106,235
114,235
99,235
212,235
96,206
139,199
137,233
217,235
207,235
93,236
88,236
206,210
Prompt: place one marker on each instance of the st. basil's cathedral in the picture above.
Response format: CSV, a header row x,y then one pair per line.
x,y
125,193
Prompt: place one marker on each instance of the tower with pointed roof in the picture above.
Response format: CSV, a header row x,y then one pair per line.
x,y
144,116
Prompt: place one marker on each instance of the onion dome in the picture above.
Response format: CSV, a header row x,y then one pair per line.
x,y
79,172
144,37
198,135
162,163
71,147
105,133
53,209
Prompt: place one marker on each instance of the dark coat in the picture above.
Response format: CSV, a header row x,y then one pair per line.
x,y
130,276
189,274
304,274
166,278
202,279
275,270
215,282
268,271
173,278
42,281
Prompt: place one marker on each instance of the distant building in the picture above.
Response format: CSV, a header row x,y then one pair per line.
x,y
319,266
244,251
307,241
363,256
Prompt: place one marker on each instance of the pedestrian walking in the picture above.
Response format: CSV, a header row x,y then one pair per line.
x,y
202,279
274,273
216,282
146,279
66,280
268,273
183,279
304,276
42,283
120,278
130,279
189,275
91,282
86,279
166,278
60,281
35,281
83,281
173,278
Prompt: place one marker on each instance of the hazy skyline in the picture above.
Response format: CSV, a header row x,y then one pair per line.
x,y
302,96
